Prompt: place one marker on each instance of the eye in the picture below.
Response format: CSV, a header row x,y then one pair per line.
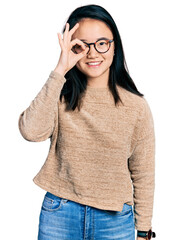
x,y
86,45
103,42
78,46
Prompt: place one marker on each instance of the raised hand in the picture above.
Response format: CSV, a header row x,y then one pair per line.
x,y
68,58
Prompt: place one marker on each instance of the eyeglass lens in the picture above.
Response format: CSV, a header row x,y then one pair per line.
x,y
101,46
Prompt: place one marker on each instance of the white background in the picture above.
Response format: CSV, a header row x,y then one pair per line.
x,y
29,50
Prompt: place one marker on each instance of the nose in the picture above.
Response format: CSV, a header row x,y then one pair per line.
x,y
92,53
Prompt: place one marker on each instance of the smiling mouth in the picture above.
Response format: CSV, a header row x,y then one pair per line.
x,y
94,64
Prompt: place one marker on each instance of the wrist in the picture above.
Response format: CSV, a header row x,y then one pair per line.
x,y
60,70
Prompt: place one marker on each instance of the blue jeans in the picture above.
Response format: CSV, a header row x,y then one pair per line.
x,y
63,219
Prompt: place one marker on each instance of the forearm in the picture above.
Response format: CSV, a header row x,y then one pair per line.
x,y
36,123
142,168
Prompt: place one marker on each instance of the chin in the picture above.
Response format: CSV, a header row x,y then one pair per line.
x,y
93,73
97,74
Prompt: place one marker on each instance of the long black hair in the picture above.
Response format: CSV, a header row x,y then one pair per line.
x,y
76,83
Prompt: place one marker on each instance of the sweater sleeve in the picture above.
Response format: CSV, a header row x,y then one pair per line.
x,y
36,123
142,169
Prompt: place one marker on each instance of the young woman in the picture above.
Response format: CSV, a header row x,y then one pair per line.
x,y
99,172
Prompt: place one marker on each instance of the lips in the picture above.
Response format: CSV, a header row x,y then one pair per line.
x,y
94,63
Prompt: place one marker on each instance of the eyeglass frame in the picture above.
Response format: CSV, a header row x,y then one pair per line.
x,y
94,43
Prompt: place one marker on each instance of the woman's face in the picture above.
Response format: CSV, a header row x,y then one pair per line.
x,y
89,31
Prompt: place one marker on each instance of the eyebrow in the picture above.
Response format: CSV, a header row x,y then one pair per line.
x,y
102,38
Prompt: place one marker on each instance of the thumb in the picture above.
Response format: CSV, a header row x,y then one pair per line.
x,y
82,54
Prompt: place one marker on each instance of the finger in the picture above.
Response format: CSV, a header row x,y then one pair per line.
x,y
82,54
66,31
77,41
72,31
60,40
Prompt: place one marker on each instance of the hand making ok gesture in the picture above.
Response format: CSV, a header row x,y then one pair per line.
x,y
68,58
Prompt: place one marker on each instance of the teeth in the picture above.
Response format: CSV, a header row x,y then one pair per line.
x,y
96,63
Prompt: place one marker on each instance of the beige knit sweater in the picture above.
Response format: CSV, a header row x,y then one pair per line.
x,y
102,156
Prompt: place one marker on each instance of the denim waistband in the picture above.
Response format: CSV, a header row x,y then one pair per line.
x,y
52,196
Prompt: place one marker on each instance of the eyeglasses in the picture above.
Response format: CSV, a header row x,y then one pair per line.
x,y
101,46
